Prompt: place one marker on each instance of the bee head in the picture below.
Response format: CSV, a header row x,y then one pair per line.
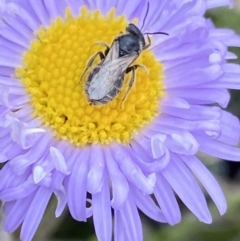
x,y
136,32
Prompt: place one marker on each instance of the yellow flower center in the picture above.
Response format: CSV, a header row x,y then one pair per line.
x,y
52,71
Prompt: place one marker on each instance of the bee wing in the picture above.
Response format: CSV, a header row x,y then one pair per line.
x,y
118,66
113,52
110,72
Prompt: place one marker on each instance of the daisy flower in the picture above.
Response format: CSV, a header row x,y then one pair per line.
x,y
124,155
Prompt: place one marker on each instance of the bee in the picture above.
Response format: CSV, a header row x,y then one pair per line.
x,y
106,79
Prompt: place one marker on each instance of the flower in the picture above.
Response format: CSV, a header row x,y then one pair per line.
x,y
122,153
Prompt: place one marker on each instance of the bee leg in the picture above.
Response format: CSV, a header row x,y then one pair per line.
x,y
120,34
106,51
106,46
90,62
103,44
131,82
144,68
149,43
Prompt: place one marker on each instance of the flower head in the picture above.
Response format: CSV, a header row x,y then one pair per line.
x,y
138,143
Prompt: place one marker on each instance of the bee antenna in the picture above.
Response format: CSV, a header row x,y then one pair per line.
x,y
145,15
157,33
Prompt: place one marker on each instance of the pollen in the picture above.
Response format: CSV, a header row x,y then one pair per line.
x,y
52,73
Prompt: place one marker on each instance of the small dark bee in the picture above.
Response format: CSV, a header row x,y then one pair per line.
x,y
106,79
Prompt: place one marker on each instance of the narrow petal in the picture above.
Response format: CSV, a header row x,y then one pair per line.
x,y
120,187
17,214
75,6
77,186
178,141
208,181
213,126
59,161
219,149
144,159
35,213
230,129
181,180
59,191
40,11
146,204
97,168
55,9
38,174
102,208
219,3
131,220
132,171
18,192
167,201
119,231
195,112
157,145
22,162
28,18
203,96
175,102
26,137
9,179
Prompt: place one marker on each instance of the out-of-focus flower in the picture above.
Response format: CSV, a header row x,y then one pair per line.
x,y
122,153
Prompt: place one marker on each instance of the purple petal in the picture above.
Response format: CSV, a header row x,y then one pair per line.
x,y
9,179
120,187
230,129
157,144
102,208
181,180
17,213
146,204
143,159
59,161
18,192
27,137
22,162
28,18
55,9
178,141
219,149
203,96
97,168
132,171
35,213
119,231
167,201
75,6
38,174
40,11
195,112
208,181
59,191
77,186
131,220
175,102
212,126
218,3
